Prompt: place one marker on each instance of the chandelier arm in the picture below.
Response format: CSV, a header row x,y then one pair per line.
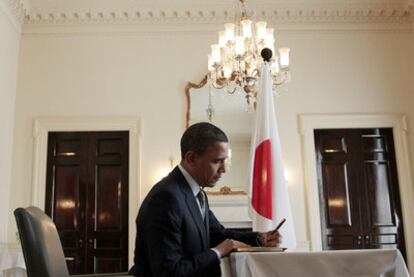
x,y
280,79
230,91
278,83
216,86
222,82
233,76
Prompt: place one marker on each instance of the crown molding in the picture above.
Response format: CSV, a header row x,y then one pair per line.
x,y
195,17
15,11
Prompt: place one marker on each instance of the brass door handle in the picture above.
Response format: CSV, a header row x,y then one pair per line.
x,y
90,243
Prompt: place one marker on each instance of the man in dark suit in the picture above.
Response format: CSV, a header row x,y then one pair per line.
x,y
177,234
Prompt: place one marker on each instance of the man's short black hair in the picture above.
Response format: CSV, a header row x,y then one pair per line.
x,y
198,137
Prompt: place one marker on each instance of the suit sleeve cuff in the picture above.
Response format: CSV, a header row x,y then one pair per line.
x,y
258,240
217,253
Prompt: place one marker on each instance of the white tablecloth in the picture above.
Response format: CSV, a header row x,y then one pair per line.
x,y
343,263
12,263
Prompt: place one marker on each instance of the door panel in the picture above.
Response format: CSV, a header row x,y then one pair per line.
x,y
108,233
338,208
358,185
379,203
339,211
103,264
87,197
65,195
66,214
108,198
384,229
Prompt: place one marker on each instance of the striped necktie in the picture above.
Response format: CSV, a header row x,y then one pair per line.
x,y
202,201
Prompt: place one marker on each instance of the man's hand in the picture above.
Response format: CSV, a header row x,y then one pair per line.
x,y
228,245
270,238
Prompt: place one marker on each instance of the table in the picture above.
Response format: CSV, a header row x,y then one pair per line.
x,y
12,263
343,263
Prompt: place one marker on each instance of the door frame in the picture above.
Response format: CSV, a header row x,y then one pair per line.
x,y
307,123
43,125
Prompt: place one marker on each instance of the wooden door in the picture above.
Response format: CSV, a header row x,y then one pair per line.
x,y
358,189
87,197
339,210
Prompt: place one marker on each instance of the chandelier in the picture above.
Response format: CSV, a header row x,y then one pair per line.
x,y
234,64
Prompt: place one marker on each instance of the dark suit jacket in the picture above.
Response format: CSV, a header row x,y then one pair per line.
x,y
172,239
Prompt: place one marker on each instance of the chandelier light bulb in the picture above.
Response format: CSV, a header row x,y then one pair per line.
x,y
261,30
215,53
270,34
210,63
227,71
239,45
229,28
274,67
284,57
269,43
222,38
246,28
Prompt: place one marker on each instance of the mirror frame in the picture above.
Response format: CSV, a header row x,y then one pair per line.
x,y
225,190
189,86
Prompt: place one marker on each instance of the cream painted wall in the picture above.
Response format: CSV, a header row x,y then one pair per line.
x,y
411,102
9,50
143,75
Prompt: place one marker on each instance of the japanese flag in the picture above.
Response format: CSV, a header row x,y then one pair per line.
x,y
268,193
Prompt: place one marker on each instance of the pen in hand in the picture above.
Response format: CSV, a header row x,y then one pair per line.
x,y
278,226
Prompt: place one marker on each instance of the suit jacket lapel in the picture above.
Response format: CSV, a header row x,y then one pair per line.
x,y
194,210
192,206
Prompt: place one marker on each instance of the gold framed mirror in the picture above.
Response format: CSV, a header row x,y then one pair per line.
x,y
187,89
230,113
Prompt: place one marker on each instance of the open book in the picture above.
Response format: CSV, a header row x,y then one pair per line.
x,y
259,249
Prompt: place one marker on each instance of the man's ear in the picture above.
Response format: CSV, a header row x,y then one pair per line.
x,y
190,157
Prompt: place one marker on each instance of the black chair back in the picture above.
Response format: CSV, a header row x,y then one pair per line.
x,y
41,245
